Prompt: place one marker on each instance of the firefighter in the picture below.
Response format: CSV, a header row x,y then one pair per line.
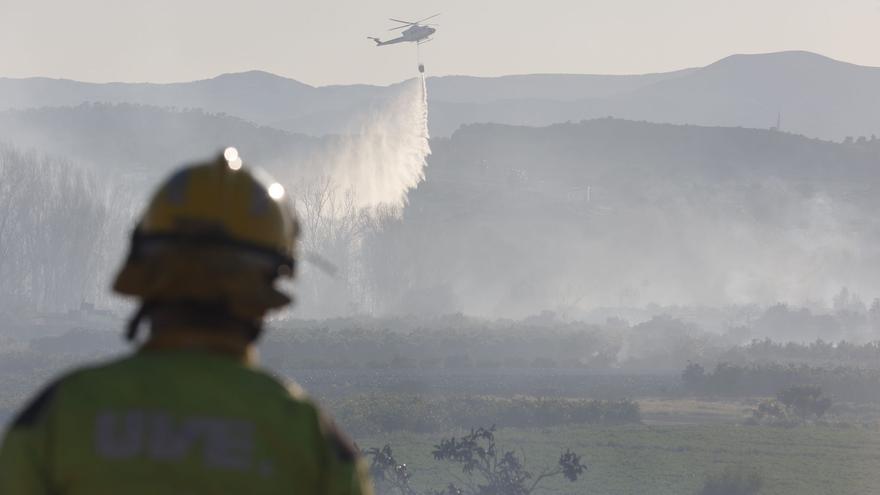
x,y
188,411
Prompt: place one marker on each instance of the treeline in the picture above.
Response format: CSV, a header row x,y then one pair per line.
x,y
460,342
52,224
846,384
661,345
818,353
543,341
609,190
365,415
598,190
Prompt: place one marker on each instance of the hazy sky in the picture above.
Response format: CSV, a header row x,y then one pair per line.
x,y
323,42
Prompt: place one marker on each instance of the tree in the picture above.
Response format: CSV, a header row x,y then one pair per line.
x,y
489,471
693,377
874,316
805,401
389,476
792,406
333,228
773,412
52,220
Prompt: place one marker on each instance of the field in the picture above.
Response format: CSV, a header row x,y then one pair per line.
x,y
692,411
674,459
678,438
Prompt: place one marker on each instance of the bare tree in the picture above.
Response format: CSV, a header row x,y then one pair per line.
x,y
333,230
51,223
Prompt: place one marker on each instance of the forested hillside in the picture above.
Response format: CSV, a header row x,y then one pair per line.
x,y
612,212
511,221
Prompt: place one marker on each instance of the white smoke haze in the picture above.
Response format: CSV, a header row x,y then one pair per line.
x,y
693,257
500,227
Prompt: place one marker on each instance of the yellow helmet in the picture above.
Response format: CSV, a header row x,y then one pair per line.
x,y
215,235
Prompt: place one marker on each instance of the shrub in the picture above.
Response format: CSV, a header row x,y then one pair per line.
x,y
490,470
792,406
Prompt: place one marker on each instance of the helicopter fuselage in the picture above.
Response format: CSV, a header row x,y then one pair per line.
x,y
418,33
413,34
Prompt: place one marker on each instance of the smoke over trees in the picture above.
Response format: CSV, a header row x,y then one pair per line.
x,y
513,221
52,225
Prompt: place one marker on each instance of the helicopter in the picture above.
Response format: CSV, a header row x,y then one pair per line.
x,y
415,32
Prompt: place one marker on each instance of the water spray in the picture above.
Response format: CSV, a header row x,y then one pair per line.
x,y
383,153
360,180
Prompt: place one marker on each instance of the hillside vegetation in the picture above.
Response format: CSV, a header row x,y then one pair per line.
x,y
601,213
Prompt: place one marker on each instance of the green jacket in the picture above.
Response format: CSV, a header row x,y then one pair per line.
x,y
175,422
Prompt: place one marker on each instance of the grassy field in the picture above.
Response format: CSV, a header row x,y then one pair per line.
x,y
680,441
693,411
674,459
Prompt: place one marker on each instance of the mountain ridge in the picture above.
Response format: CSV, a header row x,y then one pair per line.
x,y
815,95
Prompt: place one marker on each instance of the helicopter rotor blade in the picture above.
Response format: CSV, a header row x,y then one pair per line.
x,y
404,22
426,18
401,27
321,263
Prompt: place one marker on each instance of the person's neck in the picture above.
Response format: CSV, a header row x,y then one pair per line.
x,y
170,332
